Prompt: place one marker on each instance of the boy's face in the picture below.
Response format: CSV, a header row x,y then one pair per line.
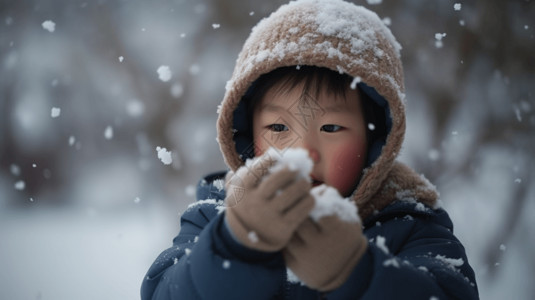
x,y
331,128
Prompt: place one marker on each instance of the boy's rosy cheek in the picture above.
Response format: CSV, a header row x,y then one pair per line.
x,y
345,167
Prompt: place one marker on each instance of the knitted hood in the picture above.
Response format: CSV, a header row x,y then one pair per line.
x,y
348,39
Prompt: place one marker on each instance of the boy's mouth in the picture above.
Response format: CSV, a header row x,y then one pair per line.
x,y
315,182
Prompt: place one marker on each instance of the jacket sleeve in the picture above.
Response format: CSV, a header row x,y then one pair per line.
x,y
205,263
411,258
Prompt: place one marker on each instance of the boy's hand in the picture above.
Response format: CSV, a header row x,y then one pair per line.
x,y
264,210
324,254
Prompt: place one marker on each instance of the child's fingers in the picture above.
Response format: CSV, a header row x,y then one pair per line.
x,y
291,195
299,212
307,230
330,223
275,183
252,174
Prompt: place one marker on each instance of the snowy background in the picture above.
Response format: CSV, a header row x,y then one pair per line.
x,y
90,89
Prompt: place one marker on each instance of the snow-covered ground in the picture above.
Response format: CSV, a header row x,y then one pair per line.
x,y
74,253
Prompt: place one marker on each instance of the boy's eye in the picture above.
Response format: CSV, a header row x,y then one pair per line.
x,y
330,128
278,127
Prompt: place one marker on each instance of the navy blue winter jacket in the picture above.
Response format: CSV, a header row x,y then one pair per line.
x,y
412,254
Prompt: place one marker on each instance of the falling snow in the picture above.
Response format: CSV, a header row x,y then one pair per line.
x,y
55,112
15,169
108,133
164,155
49,25
164,73
20,185
438,39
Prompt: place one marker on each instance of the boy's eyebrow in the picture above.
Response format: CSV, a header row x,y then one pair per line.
x,y
334,108
272,107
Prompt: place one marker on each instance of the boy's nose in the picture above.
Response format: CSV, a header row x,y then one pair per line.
x,y
312,151
314,155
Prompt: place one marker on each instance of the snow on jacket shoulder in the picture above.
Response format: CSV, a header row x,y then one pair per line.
x,y
413,254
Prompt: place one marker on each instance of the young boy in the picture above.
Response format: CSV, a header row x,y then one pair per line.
x,y
326,76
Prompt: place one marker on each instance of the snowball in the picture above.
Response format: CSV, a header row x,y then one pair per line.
x,y
251,13
164,73
457,6
121,59
164,155
387,21
108,133
55,112
20,185
371,126
49,25
329,203
226,264
216,26
295,159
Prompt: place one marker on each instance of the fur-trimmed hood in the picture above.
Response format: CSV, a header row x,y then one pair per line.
x,y
348,39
